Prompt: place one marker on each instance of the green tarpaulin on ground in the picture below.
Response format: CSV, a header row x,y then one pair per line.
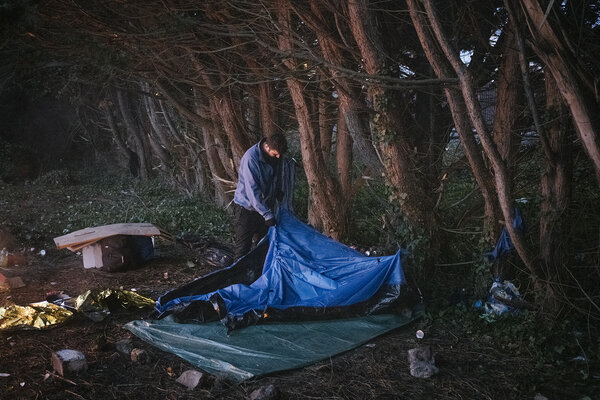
x,y
262,349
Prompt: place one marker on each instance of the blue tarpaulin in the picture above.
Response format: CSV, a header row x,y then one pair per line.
x,y
300,296
303,272
505,243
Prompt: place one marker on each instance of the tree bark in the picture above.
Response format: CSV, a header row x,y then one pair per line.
x,y
505,115
223,184
222,105
350,106
134,134
327,119
220,143
499,168
555,187
162,147
110,119
189,147
323,189
398,155
461,122
559,61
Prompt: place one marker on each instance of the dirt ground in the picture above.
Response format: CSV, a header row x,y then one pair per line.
x,y
469,367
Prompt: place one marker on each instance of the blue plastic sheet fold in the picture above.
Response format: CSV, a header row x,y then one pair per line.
x,y
302,269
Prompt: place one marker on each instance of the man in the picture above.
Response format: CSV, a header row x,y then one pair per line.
x,y
257,190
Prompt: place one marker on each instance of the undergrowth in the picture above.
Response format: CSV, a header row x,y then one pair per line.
x,y
37,212
564,356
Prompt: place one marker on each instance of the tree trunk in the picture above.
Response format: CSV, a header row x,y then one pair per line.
x,y
266,109
222,105
135,134
499,168
189,147
218,174
327,119
506,100
344,158
505,120
461,123
555,190
220,143
161,148
405,155
110,119
350,106
324,190
398,155
560,62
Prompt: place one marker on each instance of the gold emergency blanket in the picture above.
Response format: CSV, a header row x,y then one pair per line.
x,y
95,304
34,316
109,299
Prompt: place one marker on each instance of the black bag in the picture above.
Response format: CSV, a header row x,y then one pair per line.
x,y
124,252
116,255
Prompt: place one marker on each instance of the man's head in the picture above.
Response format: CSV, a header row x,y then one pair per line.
x,y
275,145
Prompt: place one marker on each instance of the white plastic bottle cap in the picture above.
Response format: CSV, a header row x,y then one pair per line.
x,y
420,334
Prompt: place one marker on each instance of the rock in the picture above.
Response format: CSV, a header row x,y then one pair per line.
x,y
269,392
11,283
422,362
67,362
421,354
140,356
124,346
423,370
15,282
190,378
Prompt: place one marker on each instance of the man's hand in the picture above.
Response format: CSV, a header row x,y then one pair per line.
x,y
271,222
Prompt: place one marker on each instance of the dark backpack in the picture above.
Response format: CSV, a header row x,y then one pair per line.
x,y
116,255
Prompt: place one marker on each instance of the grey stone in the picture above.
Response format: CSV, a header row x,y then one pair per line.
x,y
423,353
423,370
269,392
190,378
67,362
422,362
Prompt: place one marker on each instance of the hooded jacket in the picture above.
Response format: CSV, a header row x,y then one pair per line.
x,y
256,186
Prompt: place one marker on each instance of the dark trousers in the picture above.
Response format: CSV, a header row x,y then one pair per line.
x,y
248,225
